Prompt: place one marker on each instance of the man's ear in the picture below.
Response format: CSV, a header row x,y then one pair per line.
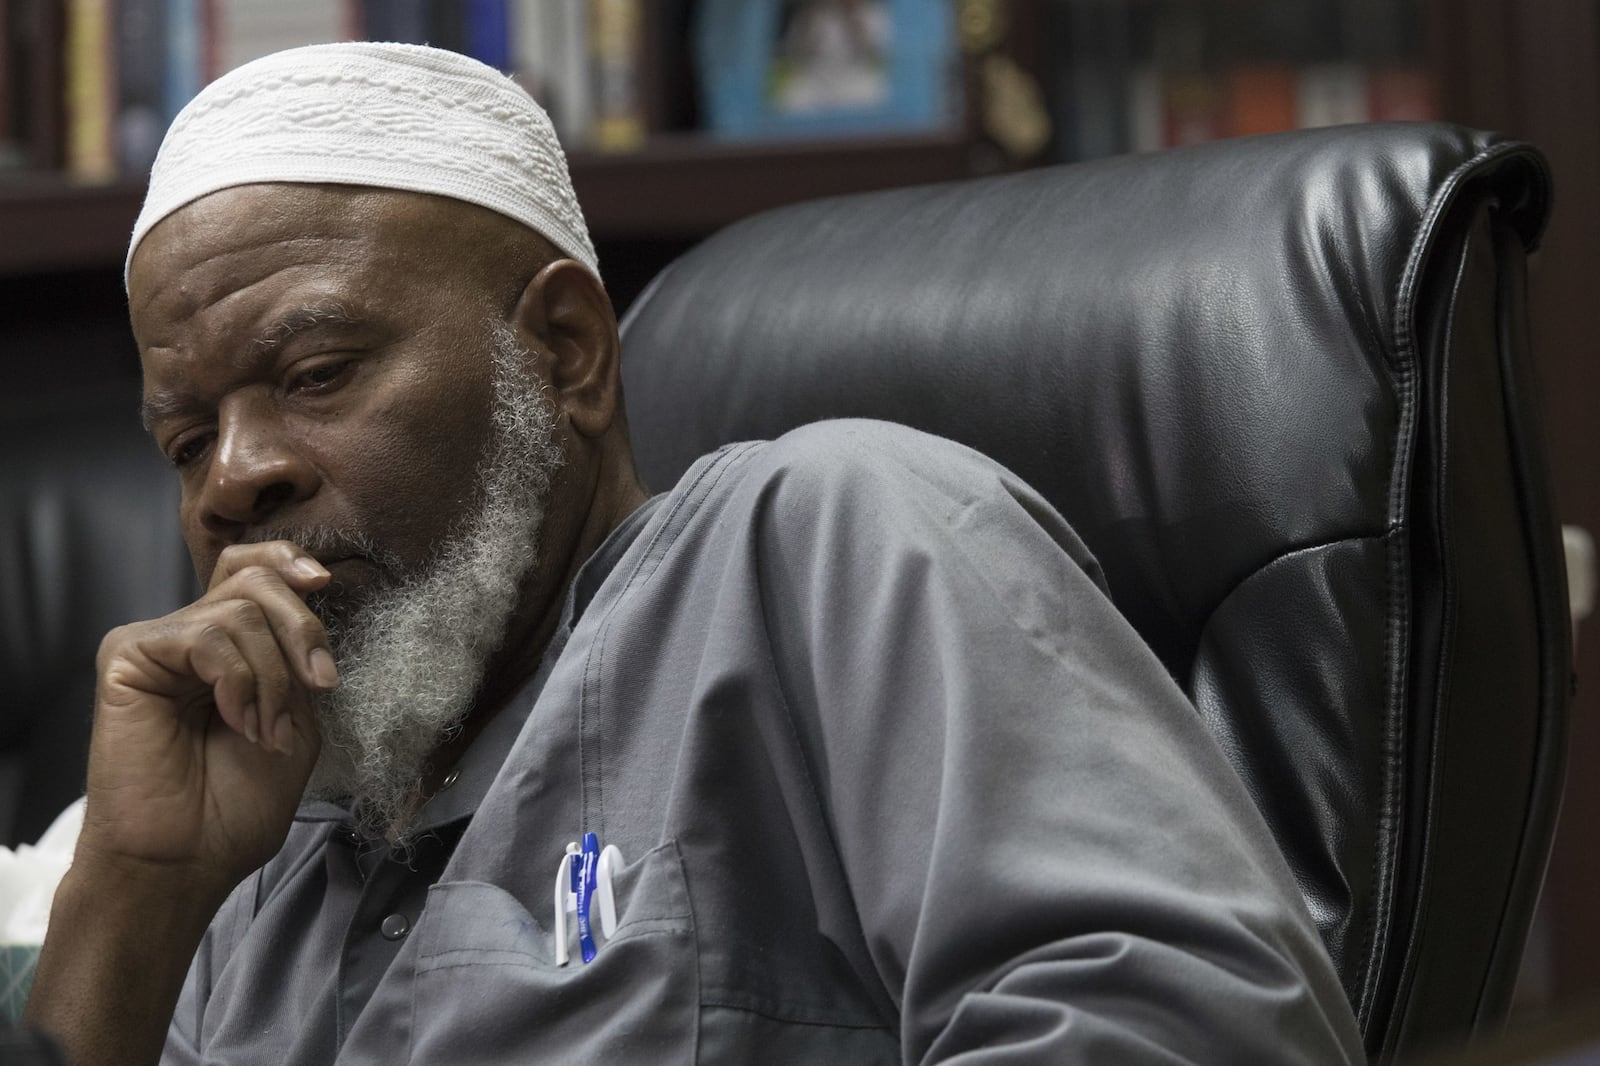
x,y
566,311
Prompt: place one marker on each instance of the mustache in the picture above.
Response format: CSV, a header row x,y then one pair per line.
x,y
329,543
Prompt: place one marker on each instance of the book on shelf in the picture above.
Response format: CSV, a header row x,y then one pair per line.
x,y
12,146
1331,94
90,86
551,59
486,32
1091,68
1140,75
233,32
34,69
1401,94
1260,98
140,115
616,48
182,56
447,25
90,91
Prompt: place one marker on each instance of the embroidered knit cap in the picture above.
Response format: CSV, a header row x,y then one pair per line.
x,y
390,116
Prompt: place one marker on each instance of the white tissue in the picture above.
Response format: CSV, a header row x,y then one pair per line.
x,y
29,876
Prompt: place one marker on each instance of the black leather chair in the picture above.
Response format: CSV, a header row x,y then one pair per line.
x,y
89,542
1281,387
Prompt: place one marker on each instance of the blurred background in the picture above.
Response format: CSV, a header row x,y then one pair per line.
x,y
681,116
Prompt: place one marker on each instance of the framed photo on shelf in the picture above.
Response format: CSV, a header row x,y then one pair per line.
x,y
783,68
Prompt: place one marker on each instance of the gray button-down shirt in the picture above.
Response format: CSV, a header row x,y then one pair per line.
x,y
367,894
892,781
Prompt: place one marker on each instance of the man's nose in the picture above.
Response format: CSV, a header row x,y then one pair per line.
x,y
255,471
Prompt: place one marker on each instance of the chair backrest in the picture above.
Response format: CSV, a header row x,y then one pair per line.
x,y
1280,386
89,542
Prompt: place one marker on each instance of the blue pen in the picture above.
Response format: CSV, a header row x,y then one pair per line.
x,y
583,886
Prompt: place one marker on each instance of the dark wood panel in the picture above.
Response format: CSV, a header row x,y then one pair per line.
x,y
1528,68
1467,44
692,185
49,224
1556,105
676,187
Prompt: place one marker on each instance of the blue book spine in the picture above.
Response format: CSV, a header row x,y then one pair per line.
x,y
488,33
185,49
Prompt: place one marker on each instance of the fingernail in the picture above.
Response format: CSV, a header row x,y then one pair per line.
x,y
323,669
310,567
283,735
252,731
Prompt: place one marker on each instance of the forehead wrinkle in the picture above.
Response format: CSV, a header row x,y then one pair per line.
x,y
199,257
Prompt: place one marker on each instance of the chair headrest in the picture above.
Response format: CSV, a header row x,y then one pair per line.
x,y
1179,350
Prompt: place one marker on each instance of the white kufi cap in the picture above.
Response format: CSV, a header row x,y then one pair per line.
x,y
389,116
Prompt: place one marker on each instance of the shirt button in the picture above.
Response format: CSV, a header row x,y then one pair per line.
x,y
395,926
347,835
449,779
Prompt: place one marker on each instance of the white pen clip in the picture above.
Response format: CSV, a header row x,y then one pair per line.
x,y
570,896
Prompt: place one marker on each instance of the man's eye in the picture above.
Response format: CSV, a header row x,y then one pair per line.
x,y
320,376
188,450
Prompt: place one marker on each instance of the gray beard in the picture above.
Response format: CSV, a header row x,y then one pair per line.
x,y
412,655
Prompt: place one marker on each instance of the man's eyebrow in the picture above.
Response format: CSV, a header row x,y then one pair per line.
x,y
160,404
300,320
166,403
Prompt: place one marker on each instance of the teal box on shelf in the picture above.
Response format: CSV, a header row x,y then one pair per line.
x,y
795,68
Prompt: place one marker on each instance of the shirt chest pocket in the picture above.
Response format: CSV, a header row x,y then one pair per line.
x,y
487,988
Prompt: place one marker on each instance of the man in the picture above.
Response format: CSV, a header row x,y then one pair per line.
x,y
865,765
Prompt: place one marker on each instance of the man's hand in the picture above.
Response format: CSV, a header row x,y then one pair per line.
x,y
204,731
204,738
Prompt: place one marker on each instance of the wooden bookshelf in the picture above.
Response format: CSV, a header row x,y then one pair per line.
x,y
689,185
49,224
674,187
